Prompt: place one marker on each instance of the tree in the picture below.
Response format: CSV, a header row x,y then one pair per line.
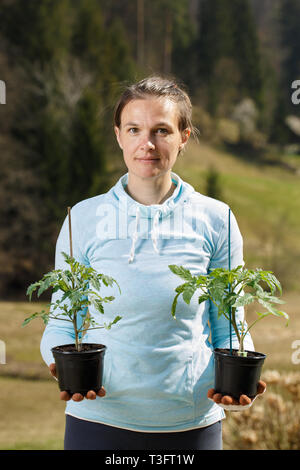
x,y
227,31
184,32
289,14
87,164
71,60
213,186
140,40
40,31
175,36
246,50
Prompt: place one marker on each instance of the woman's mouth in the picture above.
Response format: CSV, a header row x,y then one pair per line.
x,y
148,159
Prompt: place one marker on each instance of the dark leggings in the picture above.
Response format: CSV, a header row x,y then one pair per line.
x,y
87,435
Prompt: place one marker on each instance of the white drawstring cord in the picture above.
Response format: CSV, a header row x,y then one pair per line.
x,y
135,235
154,231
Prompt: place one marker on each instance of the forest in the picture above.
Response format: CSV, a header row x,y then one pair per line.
x,y
65,62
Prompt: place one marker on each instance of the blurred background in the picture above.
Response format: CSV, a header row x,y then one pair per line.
x,y
64,64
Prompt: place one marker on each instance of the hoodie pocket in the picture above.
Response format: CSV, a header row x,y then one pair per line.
x,y
146,388
150,375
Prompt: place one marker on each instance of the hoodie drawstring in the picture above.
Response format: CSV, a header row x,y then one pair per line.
x,y
135,234
154,233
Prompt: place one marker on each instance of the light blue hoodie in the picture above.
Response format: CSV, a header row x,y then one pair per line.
x,y
157,369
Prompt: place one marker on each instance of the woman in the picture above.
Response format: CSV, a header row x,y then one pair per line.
x,y
157,370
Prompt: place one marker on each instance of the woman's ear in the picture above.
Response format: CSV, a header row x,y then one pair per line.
x,y
117,132
185,135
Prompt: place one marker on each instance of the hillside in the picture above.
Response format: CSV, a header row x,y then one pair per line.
x,y
265,200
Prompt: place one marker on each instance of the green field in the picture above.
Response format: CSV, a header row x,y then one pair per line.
x,y
266,202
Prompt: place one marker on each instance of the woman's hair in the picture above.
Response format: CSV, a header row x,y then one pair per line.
x,y
158,87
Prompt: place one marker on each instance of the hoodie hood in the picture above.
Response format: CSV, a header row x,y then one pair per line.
x,y
156,211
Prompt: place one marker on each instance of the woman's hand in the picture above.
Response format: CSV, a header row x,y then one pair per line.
x,y
91,395
228,400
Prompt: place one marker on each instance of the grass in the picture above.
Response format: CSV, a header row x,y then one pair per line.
x,y
31,413
22,344
30,408
261,190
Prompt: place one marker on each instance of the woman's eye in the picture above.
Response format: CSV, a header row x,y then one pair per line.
x,y
161,131
132,130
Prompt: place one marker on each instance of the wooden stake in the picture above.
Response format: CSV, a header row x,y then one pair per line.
x,y
70,231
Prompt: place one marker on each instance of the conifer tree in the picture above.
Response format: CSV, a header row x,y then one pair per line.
x,y
289,15
70,59
40,31
246,49
228,41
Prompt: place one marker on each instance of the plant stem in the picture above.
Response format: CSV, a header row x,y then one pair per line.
x,y
241,351
257,320
76,330
77,342
89,329
233,322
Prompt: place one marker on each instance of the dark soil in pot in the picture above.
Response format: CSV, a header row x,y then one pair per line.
x,y
237,375
79,371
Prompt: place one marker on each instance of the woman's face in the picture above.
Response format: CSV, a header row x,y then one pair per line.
x,y
149,136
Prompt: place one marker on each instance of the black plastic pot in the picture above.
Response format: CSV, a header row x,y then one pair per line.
x,y
237,375
79,372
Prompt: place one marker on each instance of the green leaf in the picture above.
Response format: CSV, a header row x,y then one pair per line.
x,y
109,325
217,289
109,298
202,281
246,299
203,298
188,293
107,280
26,321
62,285
95,283
181,272
32,317
116,319
32,288
271,309
99,306
182,287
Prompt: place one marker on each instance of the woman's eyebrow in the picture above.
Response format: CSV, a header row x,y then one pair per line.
x,y
163,124
134,124
155,126
158,124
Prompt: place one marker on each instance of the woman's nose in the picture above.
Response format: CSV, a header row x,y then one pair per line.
x,y
147,144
